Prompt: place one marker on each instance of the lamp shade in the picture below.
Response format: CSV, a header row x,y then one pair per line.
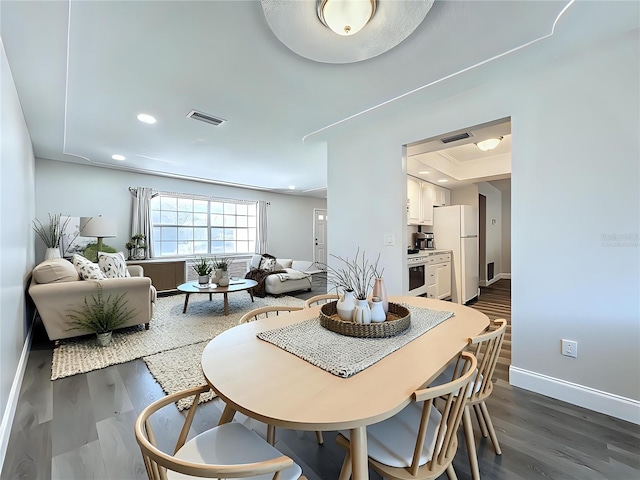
x,y
97,227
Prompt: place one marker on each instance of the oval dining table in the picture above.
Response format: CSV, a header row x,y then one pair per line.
x,y
269,384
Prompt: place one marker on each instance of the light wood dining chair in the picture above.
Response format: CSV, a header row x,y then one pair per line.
x,y
486,347
265,312
226,451
321,299
420,441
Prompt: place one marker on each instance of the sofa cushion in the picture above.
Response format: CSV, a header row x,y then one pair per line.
x,y
87,269
113,265
55,270
282,263
267,262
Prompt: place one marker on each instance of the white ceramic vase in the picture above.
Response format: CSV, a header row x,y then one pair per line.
x,y
362,312
51,253
223,281
377,310
203,279
346,305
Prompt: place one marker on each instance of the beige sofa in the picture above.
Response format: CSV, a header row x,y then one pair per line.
x,y
56,289
296,275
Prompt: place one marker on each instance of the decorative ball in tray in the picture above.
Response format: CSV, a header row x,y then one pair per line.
x,y
398,320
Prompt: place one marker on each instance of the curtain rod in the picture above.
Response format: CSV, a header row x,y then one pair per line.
x,y
193,196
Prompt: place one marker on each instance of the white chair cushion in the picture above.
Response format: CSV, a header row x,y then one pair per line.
x,y
229,444
87,269
447,375
392,441
113,265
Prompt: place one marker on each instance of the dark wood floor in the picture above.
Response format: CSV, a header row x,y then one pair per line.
x,y
81,427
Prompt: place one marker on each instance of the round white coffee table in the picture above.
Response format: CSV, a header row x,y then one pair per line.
x,y
237,285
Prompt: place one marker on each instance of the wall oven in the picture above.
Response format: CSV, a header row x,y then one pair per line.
x,y
417,275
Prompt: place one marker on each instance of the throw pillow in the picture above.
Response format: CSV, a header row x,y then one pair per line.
x,y
282,263
267,262
55,270
113,265
87,269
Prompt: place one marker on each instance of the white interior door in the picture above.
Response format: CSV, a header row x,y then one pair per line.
x,y
320,235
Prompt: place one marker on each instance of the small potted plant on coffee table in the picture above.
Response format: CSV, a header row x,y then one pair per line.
x,y
101,316
203,268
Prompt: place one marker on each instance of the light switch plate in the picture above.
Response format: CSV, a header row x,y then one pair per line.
x,y
388,239
569,348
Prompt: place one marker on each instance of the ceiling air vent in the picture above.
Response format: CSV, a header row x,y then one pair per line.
x,y
455,138
203,117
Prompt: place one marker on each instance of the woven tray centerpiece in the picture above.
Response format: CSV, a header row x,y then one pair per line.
x,y
398,320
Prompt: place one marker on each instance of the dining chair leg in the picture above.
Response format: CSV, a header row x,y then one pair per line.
x,y
492,432
271,434
319,437
345,472
471,444
451,473
481,422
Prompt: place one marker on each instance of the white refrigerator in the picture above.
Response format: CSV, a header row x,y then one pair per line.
x,y
455,228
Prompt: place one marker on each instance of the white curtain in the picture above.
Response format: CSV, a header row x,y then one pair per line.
x,y
141,216
262,226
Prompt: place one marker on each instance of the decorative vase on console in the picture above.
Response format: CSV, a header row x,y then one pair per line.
x,y
380,290
51,253
362,312
346,305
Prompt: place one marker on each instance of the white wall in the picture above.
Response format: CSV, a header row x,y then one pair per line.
x,y
84,191
16,239
572,285
506,232
467,195
493,231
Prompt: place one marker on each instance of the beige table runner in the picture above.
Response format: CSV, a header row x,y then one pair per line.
x,y
345,356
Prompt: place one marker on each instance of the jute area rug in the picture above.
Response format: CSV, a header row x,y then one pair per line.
x,y
171,348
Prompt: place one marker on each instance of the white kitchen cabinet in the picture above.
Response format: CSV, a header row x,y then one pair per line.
x,y
419,202
426,201
443,280
438,279
413,201
441,196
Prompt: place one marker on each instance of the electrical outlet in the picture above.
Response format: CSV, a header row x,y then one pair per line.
x,y
569,348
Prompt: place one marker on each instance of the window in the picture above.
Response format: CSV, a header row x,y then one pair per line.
x,y
197,226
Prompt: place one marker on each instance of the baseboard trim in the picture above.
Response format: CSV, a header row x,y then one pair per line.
x,y
14,394
587,397
500,276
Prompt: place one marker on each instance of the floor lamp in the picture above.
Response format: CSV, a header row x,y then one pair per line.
x,y
98,227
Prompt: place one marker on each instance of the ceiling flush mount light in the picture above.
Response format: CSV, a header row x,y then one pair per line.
x,y
146,118
488,144
346,17
118,157
372,27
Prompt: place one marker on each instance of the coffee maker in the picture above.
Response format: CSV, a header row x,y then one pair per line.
x,y
423,240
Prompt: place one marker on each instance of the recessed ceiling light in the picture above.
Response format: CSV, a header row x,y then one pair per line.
x,y
443,180
292,187
424,172
118,157
146,118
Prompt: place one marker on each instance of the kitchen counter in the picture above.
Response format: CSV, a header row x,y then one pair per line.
x,y
428,253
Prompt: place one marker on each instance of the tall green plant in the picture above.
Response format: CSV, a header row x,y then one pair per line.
x,y
51,234
100,315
